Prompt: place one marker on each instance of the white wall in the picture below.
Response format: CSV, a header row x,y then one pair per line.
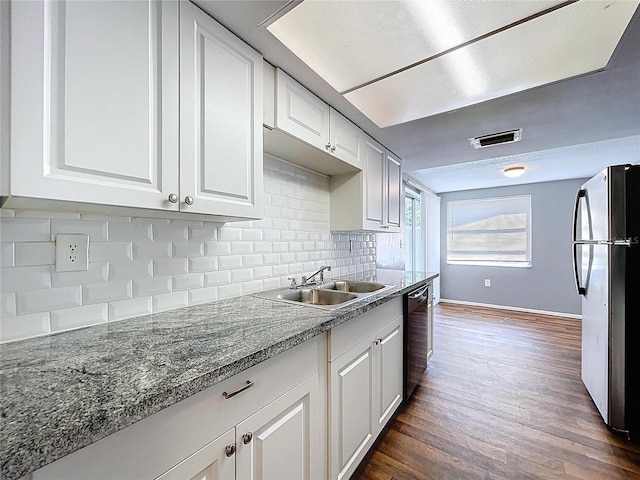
x,y
139,266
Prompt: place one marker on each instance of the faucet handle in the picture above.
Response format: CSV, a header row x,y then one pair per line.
x,y
293,282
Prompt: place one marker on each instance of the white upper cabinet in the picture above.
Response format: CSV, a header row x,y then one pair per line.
x,y
123,104
393,194
346,139
220,119
305,130
371,199
94,102
301,113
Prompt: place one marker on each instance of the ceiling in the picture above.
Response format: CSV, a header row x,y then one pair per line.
x,y
562,122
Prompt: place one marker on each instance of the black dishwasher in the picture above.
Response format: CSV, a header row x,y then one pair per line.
x,y
416,337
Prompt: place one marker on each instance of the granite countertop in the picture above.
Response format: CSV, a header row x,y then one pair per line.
x,y
62,392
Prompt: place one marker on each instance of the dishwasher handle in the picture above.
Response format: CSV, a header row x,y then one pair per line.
x,y
419,293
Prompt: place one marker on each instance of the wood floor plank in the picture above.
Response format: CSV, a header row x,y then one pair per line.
x,y
502,399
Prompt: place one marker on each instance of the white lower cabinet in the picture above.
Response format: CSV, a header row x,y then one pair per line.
x,y
281,441
273,429
365,384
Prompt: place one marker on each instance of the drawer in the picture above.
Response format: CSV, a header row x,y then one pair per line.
x,y
150,447
346,335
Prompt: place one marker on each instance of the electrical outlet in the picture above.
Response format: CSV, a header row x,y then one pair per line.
x,y
487,282
72,252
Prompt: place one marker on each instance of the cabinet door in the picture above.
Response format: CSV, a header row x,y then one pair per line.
x,y
281,441
211,462
347,140
393,192
352,424
374,161
389,350
300,113
95,102
220,119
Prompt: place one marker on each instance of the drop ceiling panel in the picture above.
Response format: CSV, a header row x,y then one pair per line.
x,y
349,43
570,41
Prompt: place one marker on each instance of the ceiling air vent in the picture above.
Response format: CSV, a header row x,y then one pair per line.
x,y
496,138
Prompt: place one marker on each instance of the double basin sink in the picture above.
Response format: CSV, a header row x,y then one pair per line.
x,y
332,295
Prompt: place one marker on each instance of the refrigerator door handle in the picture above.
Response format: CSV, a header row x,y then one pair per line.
x,y
582,290
576,210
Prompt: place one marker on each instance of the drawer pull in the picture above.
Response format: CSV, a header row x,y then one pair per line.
x,y
229,450
247,437
226,395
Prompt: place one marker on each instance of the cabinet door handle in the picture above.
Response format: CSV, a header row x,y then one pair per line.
x,y
188,200
226,395
376,341
333,148
229,450
247,437
173,198
328,146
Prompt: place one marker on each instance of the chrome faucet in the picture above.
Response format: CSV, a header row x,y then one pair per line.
x,y
306,281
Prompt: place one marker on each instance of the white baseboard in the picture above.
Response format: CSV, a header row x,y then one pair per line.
x,y
516,309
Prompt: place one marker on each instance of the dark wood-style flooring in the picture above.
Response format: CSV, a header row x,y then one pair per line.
x,y
502,399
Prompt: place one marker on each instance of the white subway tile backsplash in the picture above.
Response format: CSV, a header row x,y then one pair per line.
x,y
252,287
85,316
24,326
230,262
170,232
106,292
242,275
252,260
135,230
130,308
262,272
119,271
144,287
7,305
170,301
7,255
110,251
203,233
203,295
188,282
25,230
97,231
141,265
152,251
203,264
241,248
18,279
229,291
48,299
217,278
96,273
188,249
229,234
217,248
176,266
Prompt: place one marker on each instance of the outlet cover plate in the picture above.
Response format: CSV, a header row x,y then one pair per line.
x,y
72,252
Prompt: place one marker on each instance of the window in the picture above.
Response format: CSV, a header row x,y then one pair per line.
x,y
413,231
490,231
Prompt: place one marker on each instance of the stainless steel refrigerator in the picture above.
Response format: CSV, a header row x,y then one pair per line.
x,y
606,259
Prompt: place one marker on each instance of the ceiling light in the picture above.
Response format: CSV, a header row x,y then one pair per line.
x,y
513,172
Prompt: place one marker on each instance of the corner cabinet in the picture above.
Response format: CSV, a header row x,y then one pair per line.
x,y
365,384
111,103
371,199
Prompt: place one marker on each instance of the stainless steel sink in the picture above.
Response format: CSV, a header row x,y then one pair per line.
x,y
352,286
316,296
